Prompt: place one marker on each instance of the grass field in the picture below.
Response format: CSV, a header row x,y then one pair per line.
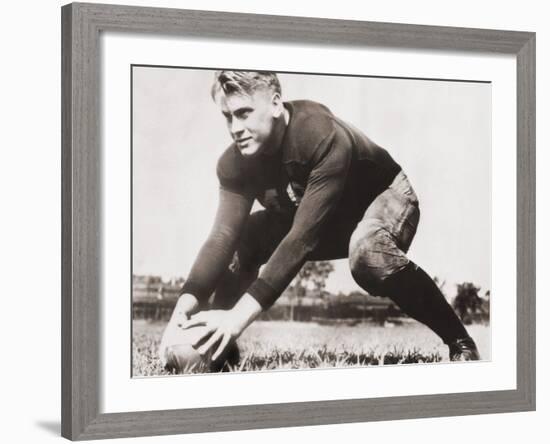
x,y
295,345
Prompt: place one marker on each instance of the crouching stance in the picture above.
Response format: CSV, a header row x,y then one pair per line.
x,y
329,192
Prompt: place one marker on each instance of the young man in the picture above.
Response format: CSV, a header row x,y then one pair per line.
x,y
329,192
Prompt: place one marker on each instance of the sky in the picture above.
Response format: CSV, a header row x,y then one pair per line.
x,y
438,131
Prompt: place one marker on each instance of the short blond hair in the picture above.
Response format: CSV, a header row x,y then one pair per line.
x,y
244,82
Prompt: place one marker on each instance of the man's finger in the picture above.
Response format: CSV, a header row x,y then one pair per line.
x,y
197,317
191,323
203,335
201,315
203,349
221,347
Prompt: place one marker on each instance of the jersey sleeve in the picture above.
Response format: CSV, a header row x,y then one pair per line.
x,y
234,173
216,253
331,163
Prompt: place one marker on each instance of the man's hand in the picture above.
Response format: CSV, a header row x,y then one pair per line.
x,y
187,305
224,326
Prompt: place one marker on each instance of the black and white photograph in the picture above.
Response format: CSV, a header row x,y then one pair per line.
x,y
291,221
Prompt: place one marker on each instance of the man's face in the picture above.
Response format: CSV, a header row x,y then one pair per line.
x,y
250,119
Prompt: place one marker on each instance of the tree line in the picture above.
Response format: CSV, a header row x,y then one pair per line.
x,y
306,300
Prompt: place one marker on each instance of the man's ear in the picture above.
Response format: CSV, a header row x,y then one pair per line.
x,y
277,104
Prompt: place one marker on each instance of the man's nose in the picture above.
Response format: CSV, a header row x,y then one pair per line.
x,y
236,126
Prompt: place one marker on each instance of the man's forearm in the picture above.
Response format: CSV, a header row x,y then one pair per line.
x,y
216,253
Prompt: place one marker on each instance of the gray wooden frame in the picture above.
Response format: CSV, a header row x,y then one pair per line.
x,y
81,242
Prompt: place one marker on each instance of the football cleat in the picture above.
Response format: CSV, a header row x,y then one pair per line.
x,y
463,350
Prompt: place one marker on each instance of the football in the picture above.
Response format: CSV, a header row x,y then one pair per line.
x,y
180,355
183,358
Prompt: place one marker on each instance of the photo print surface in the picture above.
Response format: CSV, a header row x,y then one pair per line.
x,y
288,221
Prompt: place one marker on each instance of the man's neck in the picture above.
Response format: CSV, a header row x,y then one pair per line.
x,y
281,124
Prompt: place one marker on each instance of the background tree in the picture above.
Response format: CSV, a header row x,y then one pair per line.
x,y
467,302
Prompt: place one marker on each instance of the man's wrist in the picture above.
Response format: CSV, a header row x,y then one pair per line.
x,y
187,302
247,309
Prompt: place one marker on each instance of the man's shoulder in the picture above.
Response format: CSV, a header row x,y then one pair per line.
x,y
235,172
311,123
230,166
311,118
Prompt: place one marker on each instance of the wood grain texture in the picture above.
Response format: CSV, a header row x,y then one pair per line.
x,y
119,425
81,221
526,221
81,230
66,223
260,27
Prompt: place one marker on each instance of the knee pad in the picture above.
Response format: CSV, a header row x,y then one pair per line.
x,y
374,256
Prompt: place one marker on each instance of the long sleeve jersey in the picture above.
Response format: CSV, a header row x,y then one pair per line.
x,y
324,168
